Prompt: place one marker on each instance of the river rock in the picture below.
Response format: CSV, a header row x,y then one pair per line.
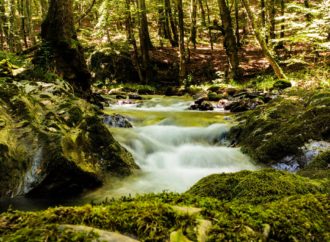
x,y
202,106
134,96
117,120
242,105
103,235
57,149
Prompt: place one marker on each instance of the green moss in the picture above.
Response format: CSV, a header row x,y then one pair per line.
x,y
281,127
254,187
48,233
146,220
212,96
298,218
318,168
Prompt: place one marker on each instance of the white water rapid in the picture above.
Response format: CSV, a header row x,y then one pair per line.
x,y
172,156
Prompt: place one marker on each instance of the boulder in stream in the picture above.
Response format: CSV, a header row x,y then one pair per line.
x,y
53,143
117,121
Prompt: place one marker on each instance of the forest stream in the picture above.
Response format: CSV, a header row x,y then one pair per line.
x,y
173,146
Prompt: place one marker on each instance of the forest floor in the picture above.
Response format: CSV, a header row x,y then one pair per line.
x,y
204,58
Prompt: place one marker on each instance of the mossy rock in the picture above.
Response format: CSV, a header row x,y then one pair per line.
x,y
56,145
318,168
254,187
212,96
281,127
282,84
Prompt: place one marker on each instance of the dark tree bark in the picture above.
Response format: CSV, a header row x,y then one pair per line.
x,y
58,34
170,18
182,72
282,34
144,31
272,14
193,28
145,42
131,39
238,39
230,43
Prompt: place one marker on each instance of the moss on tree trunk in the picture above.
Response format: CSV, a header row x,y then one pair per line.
x,y
59,35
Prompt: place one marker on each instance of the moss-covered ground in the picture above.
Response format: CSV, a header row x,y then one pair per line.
x,y
265,205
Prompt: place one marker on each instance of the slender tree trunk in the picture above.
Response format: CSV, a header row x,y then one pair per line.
x,y
144,31
229,41
238,39
161,21
193,15
201,6
282,33
209,24
58,34
145,42
169,16
260,38
182,72
131,39
166,23
21,11
263,18
272,14
3,24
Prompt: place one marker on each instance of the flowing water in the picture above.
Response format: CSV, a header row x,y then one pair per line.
x,y
174,148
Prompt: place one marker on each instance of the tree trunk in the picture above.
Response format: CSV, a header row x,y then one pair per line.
x,y
182,72
3,24
144,31
201,6
145,42
260,38
193,15
282,34
209,24
263,18
131,39
22,14
229,41
272,13
238,39
58,34
169,16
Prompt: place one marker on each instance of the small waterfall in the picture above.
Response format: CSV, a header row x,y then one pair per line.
x,y
173,146
173,158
